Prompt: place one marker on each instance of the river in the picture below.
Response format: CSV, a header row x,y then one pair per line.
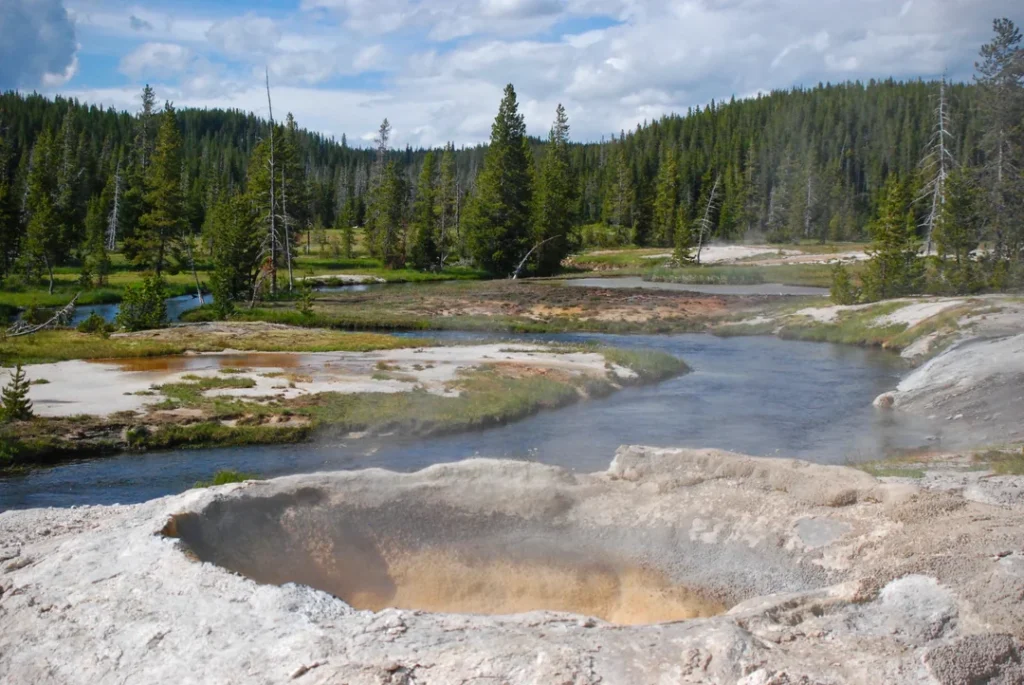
x,y
756,395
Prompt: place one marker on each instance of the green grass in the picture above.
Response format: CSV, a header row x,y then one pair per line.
x,y
191,392
709,275
1003,462
850,328
649,365
810,275
880,469
225,476
63,345
603,259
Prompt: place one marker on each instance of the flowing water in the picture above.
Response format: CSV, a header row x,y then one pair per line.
x,y
756,395
176,306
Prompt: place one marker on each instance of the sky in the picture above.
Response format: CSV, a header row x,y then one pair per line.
x,y
436,68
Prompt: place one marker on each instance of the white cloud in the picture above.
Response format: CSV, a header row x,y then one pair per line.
x,y
446,61
246,35
38,43
58,80
520,8
156,59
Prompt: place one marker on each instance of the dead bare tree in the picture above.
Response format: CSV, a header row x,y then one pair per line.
x,y
515,274
115,212
273,195
810,199
705,226
62,316
937,164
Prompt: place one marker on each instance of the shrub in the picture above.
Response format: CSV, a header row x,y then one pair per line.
x,y
304,302
94,324
225,476
143,306
843,290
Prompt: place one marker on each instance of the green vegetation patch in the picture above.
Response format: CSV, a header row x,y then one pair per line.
x,y
809,275
62,345
225,476
1003,462
885,469
856,327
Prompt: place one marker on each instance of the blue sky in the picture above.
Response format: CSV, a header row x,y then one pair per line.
x,y
436,68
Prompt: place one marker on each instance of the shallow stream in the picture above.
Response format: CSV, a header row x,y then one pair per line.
x,y
756,395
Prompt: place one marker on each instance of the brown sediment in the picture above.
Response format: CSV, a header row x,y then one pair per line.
x,y
256,360
445,582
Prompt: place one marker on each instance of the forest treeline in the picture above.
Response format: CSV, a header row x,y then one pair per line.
x,y
169,187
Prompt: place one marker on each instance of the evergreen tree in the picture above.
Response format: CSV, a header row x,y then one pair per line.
x,y
666,201
1001,93
555,199
144,305
43,236
164,219
14,402
10,221
97,260
448,205
294,201
894,268
684,242
385,226
498,219
959,234
236,251
424,250
618,206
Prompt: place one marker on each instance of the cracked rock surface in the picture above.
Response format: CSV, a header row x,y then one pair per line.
x,y
831,576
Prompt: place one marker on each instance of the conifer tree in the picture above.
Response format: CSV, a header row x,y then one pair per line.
x,y
555,199
498,219
959,234
666,201
14,402
385,226
97,261
424,250
448,205
618,207
164,219
43,236
10,221
894,268
1000,81
236,251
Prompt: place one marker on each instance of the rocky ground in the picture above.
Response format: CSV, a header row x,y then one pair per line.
x,y
831,576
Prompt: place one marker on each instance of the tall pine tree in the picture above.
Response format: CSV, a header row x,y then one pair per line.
x,y
555,199
164,219
498,219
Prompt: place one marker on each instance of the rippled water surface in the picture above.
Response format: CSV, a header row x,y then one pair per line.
x,y
759,395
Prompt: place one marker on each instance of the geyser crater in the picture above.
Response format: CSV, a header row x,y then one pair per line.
x,y
409,554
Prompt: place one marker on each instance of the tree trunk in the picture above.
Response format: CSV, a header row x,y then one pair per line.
x,y
192,264
49,270
287,231
273,197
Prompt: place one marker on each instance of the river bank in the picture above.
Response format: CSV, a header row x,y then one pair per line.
x,y
190,389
